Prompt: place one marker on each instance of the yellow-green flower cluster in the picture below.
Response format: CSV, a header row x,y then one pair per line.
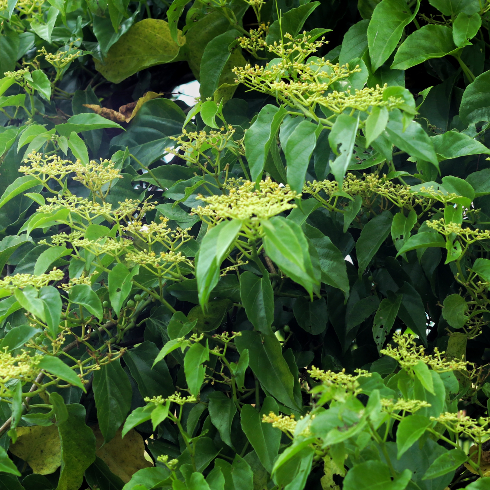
x,y
286,423
467,234
23,367
18,75
169,464
62,58
77,281
195,143
175,398
408,354
403,405
369,186
23,6
340,379
111,246
463,424
80,205
20,281
94,175
158,261
247,203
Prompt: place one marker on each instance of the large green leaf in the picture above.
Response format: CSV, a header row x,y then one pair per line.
x,y
409,431
342,138
147,43
286,244
475,104
85,122
257,297
214,247
264,438
112,393
222,409
385,318
446,463
430,41
372,237
375,475
451,8
465,27
260,136
85,296
386,28
193,367
77,448
453,145
269,365
56,366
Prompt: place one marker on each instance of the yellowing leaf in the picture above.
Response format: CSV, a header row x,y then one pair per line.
x,y
40,447
124,457
147,43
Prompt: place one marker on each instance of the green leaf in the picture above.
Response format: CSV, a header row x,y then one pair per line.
x,y
56,366
173,15
355,42
286,244
453,145
386,28
260,136
375,475
475,104
78,148
451,8
151,381
269,365
17,337
222,410
291,22
214,247
45,29
48,257
99,475
264,438
412,311
51,299
120,285
112,393
240,368
84,295
376,123
465,27
480,484
212,317
385,318
311,316
28,298
342,138
422,372
454,310
159,414
298,151
20,185
455,185
9,245
40,82
170,346
77,448
330,258
209,109
216,55
85,122
445,463
423,240
413,139
147,43
372,237
6,465
137,417
257,297
5,84
179,326
482,268
430,41
193,367
410,430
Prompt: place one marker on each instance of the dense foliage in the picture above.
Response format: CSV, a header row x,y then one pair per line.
x,y
283,286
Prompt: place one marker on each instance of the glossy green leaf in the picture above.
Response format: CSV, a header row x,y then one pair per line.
x,y
84,122
260,136
372,237
298,151
412,311
20,185
454,310
6,464
209,110
194,370
376,123
85,296
452,8
413,139
475,104
386,28
269,365
480,484
41,83
47,258
120,285
285,243
409,431
51,299
112,393
385,318
445,463
222,409
214,247
78,148
311,316
45,29
430,41
216,54
465,27
264,438
453,145
17,337
137,417
355,42
257,297
56,366
375,475
342,138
